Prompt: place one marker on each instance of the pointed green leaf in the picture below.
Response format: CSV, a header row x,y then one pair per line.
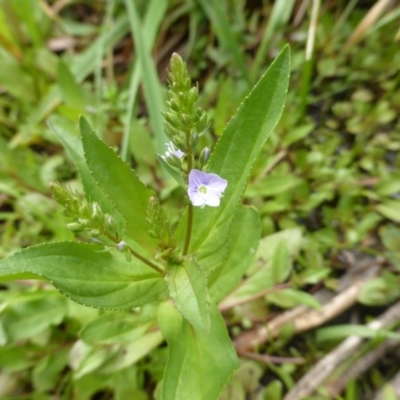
x,y
151,83
74,148
120,184
87,274
30,316
281,263
187,286
289,298
69,87
199,364
234,156
259,275
241,251
114,328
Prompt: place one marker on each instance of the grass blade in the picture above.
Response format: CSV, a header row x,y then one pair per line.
x,y
150,79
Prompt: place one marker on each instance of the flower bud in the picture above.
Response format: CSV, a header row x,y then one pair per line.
x,y
173,160
76,226
192,95
122,247
203,124
194,138
204,156
96,211
171,118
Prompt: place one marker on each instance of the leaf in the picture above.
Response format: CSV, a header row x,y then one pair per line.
x,y
87,274
260,274
225,33
26,319
187,286
47,370
120,184
199,364
234,156
339,332
113,328
85,359
132,352
74,148
281,263
155,14
15,80
389,209
273,185
241,251
288,298
380,290
150,80
70,90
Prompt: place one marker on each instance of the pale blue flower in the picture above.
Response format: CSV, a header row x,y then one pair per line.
x,y
172,150
205,189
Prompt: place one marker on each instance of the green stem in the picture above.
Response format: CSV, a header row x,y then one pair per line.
x,y
116,239
146,261
188,230
189,157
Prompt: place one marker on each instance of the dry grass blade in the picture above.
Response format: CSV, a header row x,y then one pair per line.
x,y
312,29
368,21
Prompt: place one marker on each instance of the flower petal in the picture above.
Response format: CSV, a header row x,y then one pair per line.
x,y
212,200
197,178
197,199
216,183
213,184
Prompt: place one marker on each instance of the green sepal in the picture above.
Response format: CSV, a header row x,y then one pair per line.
x,y
174,172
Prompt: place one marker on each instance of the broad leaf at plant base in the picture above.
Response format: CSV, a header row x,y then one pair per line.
x,y
87,274
199,364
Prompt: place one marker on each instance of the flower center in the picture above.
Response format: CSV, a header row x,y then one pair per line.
x,y
202,189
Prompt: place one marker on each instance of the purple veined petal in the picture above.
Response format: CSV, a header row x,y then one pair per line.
x,y
215,182
197,178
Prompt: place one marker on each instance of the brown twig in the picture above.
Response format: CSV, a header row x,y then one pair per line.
x,y
362,365
317,375
268,359
303,318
